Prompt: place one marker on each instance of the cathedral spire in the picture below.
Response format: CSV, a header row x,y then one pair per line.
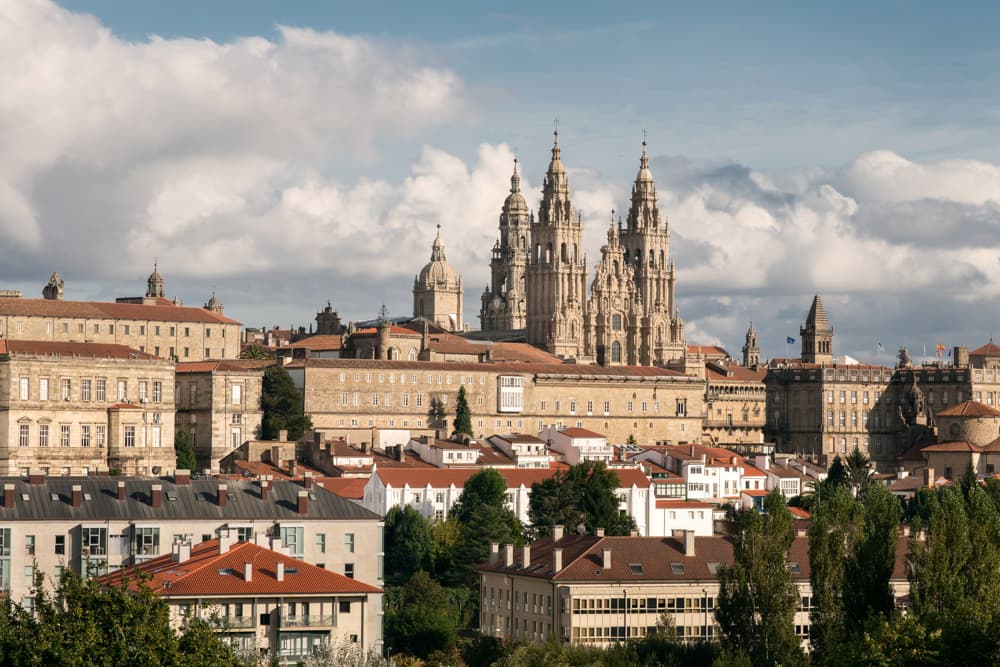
x,y
555,208
515,180
437,249
643,212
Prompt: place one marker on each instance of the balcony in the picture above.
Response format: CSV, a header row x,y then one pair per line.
x,y
225,623
309,621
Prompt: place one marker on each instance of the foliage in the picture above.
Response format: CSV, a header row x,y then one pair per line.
x,y
483,518
631,439
659,649
184,451
419,617
757,597
408,543
255,351
582,496
857,468
281,403
436,417
955,574
899,640
463,415
81,622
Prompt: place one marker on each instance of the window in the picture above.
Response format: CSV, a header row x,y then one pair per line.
x,y
237,394
192,394
85,390
99,432
244,534
349,570
143,389
607,408
155,434
122,390
94,541
29,545
85,435
511,394
102,387
681,407
43,435
349,542
64,435
321,542
291,538
24,435
43,389
208,332
344,607
129,436
60,548
147,541
23,388
157,391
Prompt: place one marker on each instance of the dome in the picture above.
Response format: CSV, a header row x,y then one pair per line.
x,y
437,271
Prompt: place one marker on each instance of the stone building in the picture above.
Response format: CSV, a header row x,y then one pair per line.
x,y
152,324
218,406
629,317
353,396
76,408
735,406
437,291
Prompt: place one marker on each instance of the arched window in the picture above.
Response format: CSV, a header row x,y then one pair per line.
x,y
562,253
616,322
538,252
572,330
548,253
661,260
616,352
652,260
574,253
614,265
524,244
412,356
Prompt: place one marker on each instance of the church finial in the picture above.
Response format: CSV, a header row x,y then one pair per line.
x,y
515,179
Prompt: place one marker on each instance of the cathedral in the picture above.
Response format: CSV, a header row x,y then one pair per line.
x,y
539,277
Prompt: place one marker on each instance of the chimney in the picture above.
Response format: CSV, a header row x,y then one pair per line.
x,y
265,488
525,556
599,532
494,553
8,495
36,477
283,435
121,490
182,477
508,556
402,453
183,552
556,560
247,571
156,496
557,532
929,477
606,559
689,543
223,495
77,495
303,506
291,467
692,450
307,479
279,571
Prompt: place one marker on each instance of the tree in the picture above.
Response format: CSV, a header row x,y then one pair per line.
x,y
463,416
419,618
436,417
185,452
757,597
484,518
583,495
255,351
408,544
858,469
281,403
82,622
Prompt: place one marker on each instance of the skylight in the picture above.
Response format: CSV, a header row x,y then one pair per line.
x,y
677,568
636,569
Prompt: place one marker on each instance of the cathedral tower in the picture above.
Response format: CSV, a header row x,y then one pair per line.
x,y
817,335
557,271
751,350
646,239
504,302
613,312
154,284
437,291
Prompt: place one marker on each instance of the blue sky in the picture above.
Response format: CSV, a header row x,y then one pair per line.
x,y
290,153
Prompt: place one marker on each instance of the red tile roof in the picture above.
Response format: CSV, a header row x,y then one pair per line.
x,y
320,342
61,349
707,350
752,471
208,572
991,349
969,409
575,432
581,370
507,352
394,330
214,365
956,446
515,477
163,311
352,488
736,373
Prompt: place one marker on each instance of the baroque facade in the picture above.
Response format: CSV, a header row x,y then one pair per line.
x,y
437,291
539,277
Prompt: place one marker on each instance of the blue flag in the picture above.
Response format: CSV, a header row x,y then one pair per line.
x,y
789,340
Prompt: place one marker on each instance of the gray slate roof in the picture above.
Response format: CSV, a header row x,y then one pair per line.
x,y
197,500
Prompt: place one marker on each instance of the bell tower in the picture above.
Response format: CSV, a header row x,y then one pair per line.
x,y
504,301
817,335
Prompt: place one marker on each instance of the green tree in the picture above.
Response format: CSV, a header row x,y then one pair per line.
x,y
281,403
757,597
583,495
184,451
463,415
408,544
255,351
858,469
436,416
484,518
419,617
834,528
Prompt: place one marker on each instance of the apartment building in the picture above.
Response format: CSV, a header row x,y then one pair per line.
x,y
102,524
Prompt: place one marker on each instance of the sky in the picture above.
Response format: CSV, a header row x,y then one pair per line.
x,y
289,154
